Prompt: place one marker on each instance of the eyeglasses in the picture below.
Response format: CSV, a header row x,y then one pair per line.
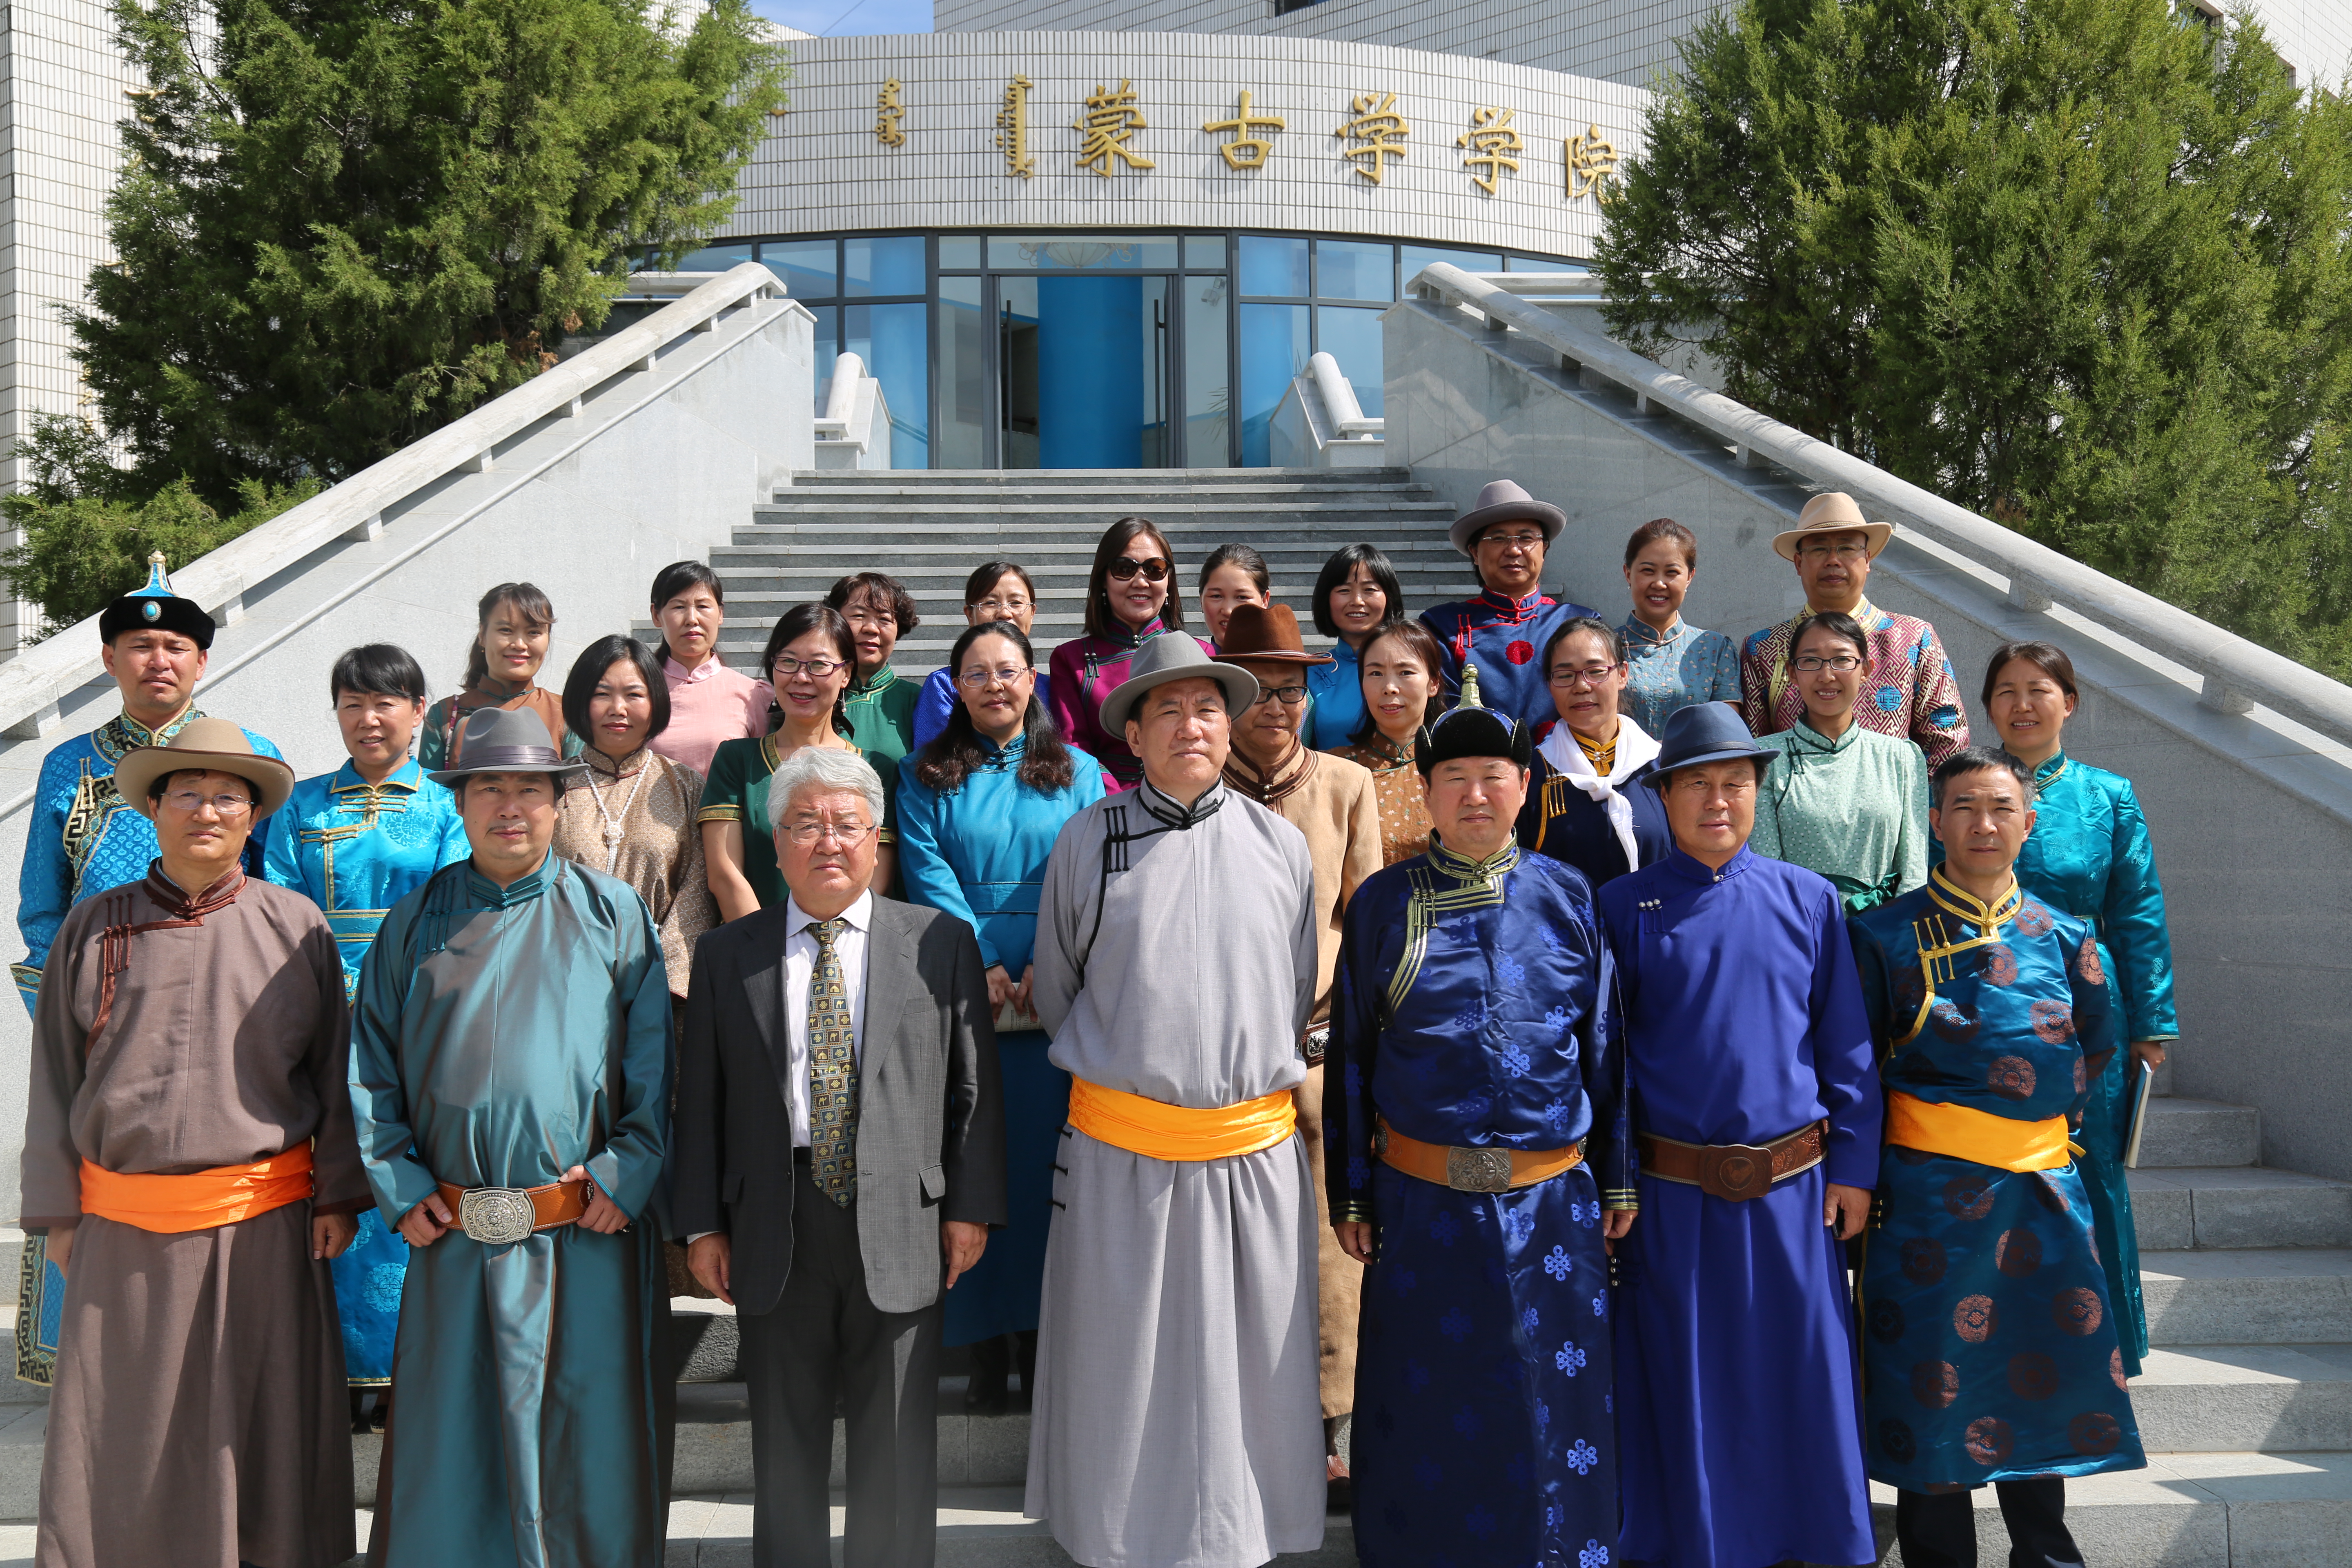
x,y
1510,541
814,669
1824,551
848,835
974,679
1153,568
1292,696
187,802
1589,674
1813,663
864,617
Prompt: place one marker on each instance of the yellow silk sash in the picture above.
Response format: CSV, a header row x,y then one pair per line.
x,y
1965,1134
200,1200
1162,1131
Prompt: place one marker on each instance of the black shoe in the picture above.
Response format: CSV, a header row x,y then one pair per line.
x,y
991,1365
1339,1495
1024,1359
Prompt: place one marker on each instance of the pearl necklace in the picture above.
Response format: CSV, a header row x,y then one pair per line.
x,y
611,823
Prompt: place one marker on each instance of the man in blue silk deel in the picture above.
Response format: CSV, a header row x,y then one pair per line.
x,y
1476,1130
511,1076
1989,1348
1738,1415
1504,629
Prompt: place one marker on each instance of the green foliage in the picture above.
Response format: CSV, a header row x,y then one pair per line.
x,y
2075,264
344,223
86,539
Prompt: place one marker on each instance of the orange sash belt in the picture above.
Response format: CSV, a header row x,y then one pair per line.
x,y
1164,1132
1966,1133
200,1200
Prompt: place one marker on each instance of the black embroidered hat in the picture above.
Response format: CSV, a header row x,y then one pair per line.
x,y
1469,730
156,608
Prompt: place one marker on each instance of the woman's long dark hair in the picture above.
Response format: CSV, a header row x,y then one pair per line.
x,y
674,579
1046,765
797,623
1102,621
529,602
594,660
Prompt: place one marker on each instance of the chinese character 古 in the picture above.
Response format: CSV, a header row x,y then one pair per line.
x,y
1107,122
1490,142
1246,150
1377,132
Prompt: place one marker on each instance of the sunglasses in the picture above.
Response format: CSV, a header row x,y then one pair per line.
x,y
1125,568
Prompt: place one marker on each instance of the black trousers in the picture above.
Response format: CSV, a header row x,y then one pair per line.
x,y
824,1338
1939,1530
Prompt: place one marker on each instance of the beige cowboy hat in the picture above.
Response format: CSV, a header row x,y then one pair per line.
x,y
1834,511
214,745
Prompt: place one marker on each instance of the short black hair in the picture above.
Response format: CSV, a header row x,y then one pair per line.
x,y
376,669
589,668
1613,639
679,575
1979,759
1342,566
1839,625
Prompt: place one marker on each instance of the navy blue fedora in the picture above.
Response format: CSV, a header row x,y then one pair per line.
x,y
1704,732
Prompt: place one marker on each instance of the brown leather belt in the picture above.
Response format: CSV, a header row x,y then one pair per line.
x,y
501,1216
1733,1170
1472,1170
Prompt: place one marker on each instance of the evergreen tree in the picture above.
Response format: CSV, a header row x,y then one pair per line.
x,y
2080,265
344,223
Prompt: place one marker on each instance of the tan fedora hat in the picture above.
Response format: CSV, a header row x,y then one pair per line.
x,y
1834,511
214,745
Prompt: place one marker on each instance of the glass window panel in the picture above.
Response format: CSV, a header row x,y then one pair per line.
x,y
1205,251
958,251
1071,252
1544,264
892,266
806,266
1348,269
1208,379
1271,265
714,258
1351,335
895,344
962,371
828,349
1273,350
1416,256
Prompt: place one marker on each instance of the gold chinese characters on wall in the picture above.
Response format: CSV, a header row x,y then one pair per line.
x,y
1247,150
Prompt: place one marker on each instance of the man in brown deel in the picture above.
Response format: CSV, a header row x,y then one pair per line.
x,y
188,1149
1336,803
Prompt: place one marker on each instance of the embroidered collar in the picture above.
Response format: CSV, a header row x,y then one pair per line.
x,y
490,688
179,905
1986,918
521,891
1505,610
679,675
1639,632
998,758
1387,755
1164,808
1690,869
1866,615
1288,777
1462,868
1812,740
2052,768
1120,636
122,734
598,762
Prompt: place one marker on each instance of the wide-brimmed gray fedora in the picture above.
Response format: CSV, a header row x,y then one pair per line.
x,y
213,745
508,741
1505,502
1172,655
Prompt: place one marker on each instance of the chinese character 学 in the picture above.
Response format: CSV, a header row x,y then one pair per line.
x,y
1490,140
1107,122
1591,162
887,113
1246,150
1377,132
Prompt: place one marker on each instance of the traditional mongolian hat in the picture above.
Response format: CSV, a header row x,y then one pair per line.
x,y
156,608
1172,655
1469,730
214,745
1832,511
508,741
1503,501
1268,632
1704,732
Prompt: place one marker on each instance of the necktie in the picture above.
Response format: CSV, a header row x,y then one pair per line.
x,y
832,1072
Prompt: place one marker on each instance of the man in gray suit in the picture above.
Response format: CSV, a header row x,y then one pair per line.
x,y
839,1156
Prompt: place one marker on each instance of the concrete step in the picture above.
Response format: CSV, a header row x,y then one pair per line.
x,y
2202,1132
2275,1398
2188,1510
2283,1296
1212,525
2208,1206
1120,478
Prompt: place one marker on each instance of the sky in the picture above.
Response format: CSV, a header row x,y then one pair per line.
x,y
839,18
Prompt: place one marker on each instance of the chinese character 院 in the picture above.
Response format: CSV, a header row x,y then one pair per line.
x,y
1377,132
1244,150
1107,122
1490,140
1591,162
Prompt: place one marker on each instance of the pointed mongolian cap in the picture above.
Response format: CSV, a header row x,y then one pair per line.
x,y
1469,730
156,608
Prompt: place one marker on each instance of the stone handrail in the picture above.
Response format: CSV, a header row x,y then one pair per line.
x,y
34,681
1340,398
2236,674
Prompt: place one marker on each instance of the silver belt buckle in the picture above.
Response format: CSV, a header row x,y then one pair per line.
x,y
1478,1170
497,1216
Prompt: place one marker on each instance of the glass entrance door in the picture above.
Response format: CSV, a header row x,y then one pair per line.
x,y
1084,368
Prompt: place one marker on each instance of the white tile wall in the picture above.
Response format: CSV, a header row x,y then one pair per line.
x,y
822,167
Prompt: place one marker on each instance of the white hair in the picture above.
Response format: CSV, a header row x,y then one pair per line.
x,y
827,768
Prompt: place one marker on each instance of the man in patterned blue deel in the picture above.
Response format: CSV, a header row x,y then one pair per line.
x,y
1990,1347
1475,1124
84,838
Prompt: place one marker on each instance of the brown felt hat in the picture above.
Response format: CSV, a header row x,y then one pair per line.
x,y
1268,633
214,745
1832,511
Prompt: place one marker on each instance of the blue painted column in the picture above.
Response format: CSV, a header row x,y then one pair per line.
x,y
1090,373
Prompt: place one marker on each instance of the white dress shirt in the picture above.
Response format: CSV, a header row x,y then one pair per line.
x,y
800,967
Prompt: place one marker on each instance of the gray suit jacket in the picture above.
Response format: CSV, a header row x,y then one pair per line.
x,y
930,1121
